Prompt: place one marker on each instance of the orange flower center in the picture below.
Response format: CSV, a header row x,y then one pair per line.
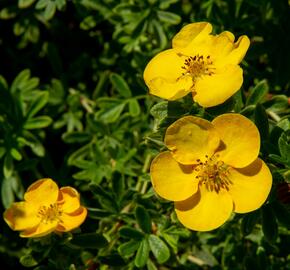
x,y
50,213
213,173
197,66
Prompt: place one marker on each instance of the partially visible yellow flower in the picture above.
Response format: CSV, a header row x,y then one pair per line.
x,y
45,209
212,169
205,65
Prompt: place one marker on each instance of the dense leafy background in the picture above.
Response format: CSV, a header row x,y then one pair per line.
x,y
74,107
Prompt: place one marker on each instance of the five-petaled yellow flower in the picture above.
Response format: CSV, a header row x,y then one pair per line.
x,y
45,209
212,169
203,64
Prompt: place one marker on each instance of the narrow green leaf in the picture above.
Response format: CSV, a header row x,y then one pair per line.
x,y
89,240
7,195
168,17
284,145
76,137
8,166
258,93
159,248
112,115
143,219
151,265
49,10
22,77
37,122
15,154
37,104
120,85
41,4
128,248
134,108
142,254
129,232
25,3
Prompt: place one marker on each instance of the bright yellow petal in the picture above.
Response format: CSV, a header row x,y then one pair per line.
x,y
239,50
191,138
205,210
21,216
163,76
217,88
42,192
69,199
191,32
172,180
41,230
240,139
250,186
72,220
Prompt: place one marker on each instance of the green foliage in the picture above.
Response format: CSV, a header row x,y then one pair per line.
x,y
74,107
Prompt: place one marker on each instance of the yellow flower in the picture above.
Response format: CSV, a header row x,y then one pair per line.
x,y
203,64
212,169
45,209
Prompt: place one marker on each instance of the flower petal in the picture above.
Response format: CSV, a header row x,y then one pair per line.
x,y
194,32
215,89
163,76
191,138
44,228
205,210
72,220
239,50
21,216
250,186
69,199
240,139
172,180
42,192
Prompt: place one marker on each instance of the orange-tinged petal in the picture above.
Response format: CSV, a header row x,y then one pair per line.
x,y
240,139
69,199
72,220
163,76
44,228
194,32
250,186
172,180
205,210
21,216
213,90
191,138
42,192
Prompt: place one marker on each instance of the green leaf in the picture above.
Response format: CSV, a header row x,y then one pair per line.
x,y
261,121
142,254
284,145
112,115
41,4
282,214
76,137
25,3
28,260
20,79
134,108
37,104
168,17
8,166
151,265
37,122
7,194
49,10
269,223
249,221
159,248
128,248
258,93
143,219
129,232
120,85
15,154
89,240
